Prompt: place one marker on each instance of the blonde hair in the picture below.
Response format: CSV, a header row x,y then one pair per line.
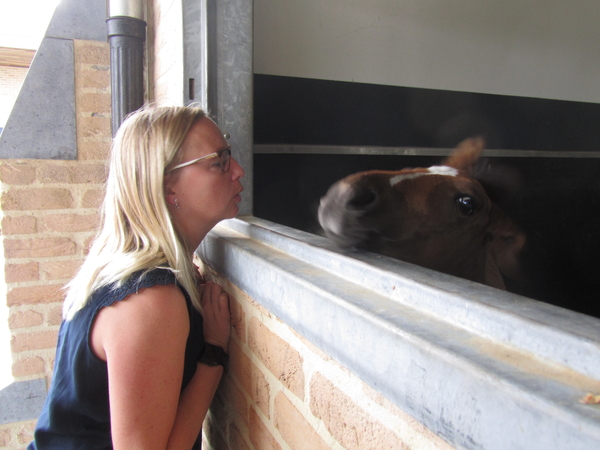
x,y
137,233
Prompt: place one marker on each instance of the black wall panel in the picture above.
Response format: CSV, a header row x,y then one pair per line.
x,y
291,110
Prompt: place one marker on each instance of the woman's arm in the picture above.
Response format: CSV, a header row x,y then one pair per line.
x,y
198,394
143,340
193,406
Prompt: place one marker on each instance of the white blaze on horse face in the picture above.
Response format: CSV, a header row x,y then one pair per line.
x,y
433,170
443,170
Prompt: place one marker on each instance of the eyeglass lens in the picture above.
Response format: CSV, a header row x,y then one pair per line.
x,y
225,157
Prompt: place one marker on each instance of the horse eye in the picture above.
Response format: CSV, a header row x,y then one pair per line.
x,y
466,204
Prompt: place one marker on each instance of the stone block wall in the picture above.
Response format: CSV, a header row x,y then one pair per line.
x,y
50,211
280,392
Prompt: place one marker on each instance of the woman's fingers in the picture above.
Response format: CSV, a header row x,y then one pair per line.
x,y
214,296
217,317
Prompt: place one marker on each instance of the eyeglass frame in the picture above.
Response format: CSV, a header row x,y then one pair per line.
x,y
217,154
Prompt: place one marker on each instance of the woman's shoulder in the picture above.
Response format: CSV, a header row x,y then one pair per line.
x,y
152,317
157,288
135,282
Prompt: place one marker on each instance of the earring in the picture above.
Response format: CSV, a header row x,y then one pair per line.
x,y
176,204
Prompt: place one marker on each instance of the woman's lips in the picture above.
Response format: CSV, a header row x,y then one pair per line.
x,y
237,197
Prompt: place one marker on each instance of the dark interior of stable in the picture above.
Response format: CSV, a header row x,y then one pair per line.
x,y
556,200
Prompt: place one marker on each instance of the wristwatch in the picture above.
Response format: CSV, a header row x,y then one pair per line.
x,y
213,355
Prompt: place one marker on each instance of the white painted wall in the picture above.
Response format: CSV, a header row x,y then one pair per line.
x,y
168,65
534,48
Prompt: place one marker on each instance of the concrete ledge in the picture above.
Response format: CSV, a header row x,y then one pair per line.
x,y
42,122
480,367
79,19
22,400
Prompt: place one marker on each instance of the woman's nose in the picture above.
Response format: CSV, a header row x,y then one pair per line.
x,y
236,170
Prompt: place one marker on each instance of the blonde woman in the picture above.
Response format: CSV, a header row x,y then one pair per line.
x,y
143,342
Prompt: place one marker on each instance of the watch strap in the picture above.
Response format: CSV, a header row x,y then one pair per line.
x,y
213,355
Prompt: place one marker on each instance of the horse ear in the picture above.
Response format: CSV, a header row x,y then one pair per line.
x,y
466,154
505,243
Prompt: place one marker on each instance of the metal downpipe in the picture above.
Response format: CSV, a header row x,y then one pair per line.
x,y
126,29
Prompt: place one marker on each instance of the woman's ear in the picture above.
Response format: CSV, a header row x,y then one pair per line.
x,y
170,196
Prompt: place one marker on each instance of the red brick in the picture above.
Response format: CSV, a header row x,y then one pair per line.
x,y
250,377
15,273
94,76
60,270
87,243
238,319
280,358
28,366
69,222
35,294
4,438
38,248
55,315
351,426
19,225
93,151
94,102
294,428
17,173
35,199
260,436
99,125
25,319
25,433
73,174
88,52
36,340
92,198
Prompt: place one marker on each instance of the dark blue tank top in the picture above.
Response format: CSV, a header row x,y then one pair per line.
x,y
76,414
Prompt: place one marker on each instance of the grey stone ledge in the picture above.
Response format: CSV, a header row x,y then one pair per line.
x,y
79,19
480,367
22,400
42,122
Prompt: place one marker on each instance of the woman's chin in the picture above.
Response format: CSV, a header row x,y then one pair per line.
x,y
233,212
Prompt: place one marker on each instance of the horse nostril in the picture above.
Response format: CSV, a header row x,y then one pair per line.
x,y
363,198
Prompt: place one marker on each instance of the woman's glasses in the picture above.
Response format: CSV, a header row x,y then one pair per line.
x,y
224,157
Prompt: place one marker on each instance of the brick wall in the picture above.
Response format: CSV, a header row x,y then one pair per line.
x,y
11,79
281,392
50,213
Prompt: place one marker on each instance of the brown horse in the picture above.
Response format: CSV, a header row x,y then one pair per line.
x,y
438,217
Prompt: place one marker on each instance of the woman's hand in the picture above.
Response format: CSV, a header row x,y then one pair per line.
x,y
216,315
